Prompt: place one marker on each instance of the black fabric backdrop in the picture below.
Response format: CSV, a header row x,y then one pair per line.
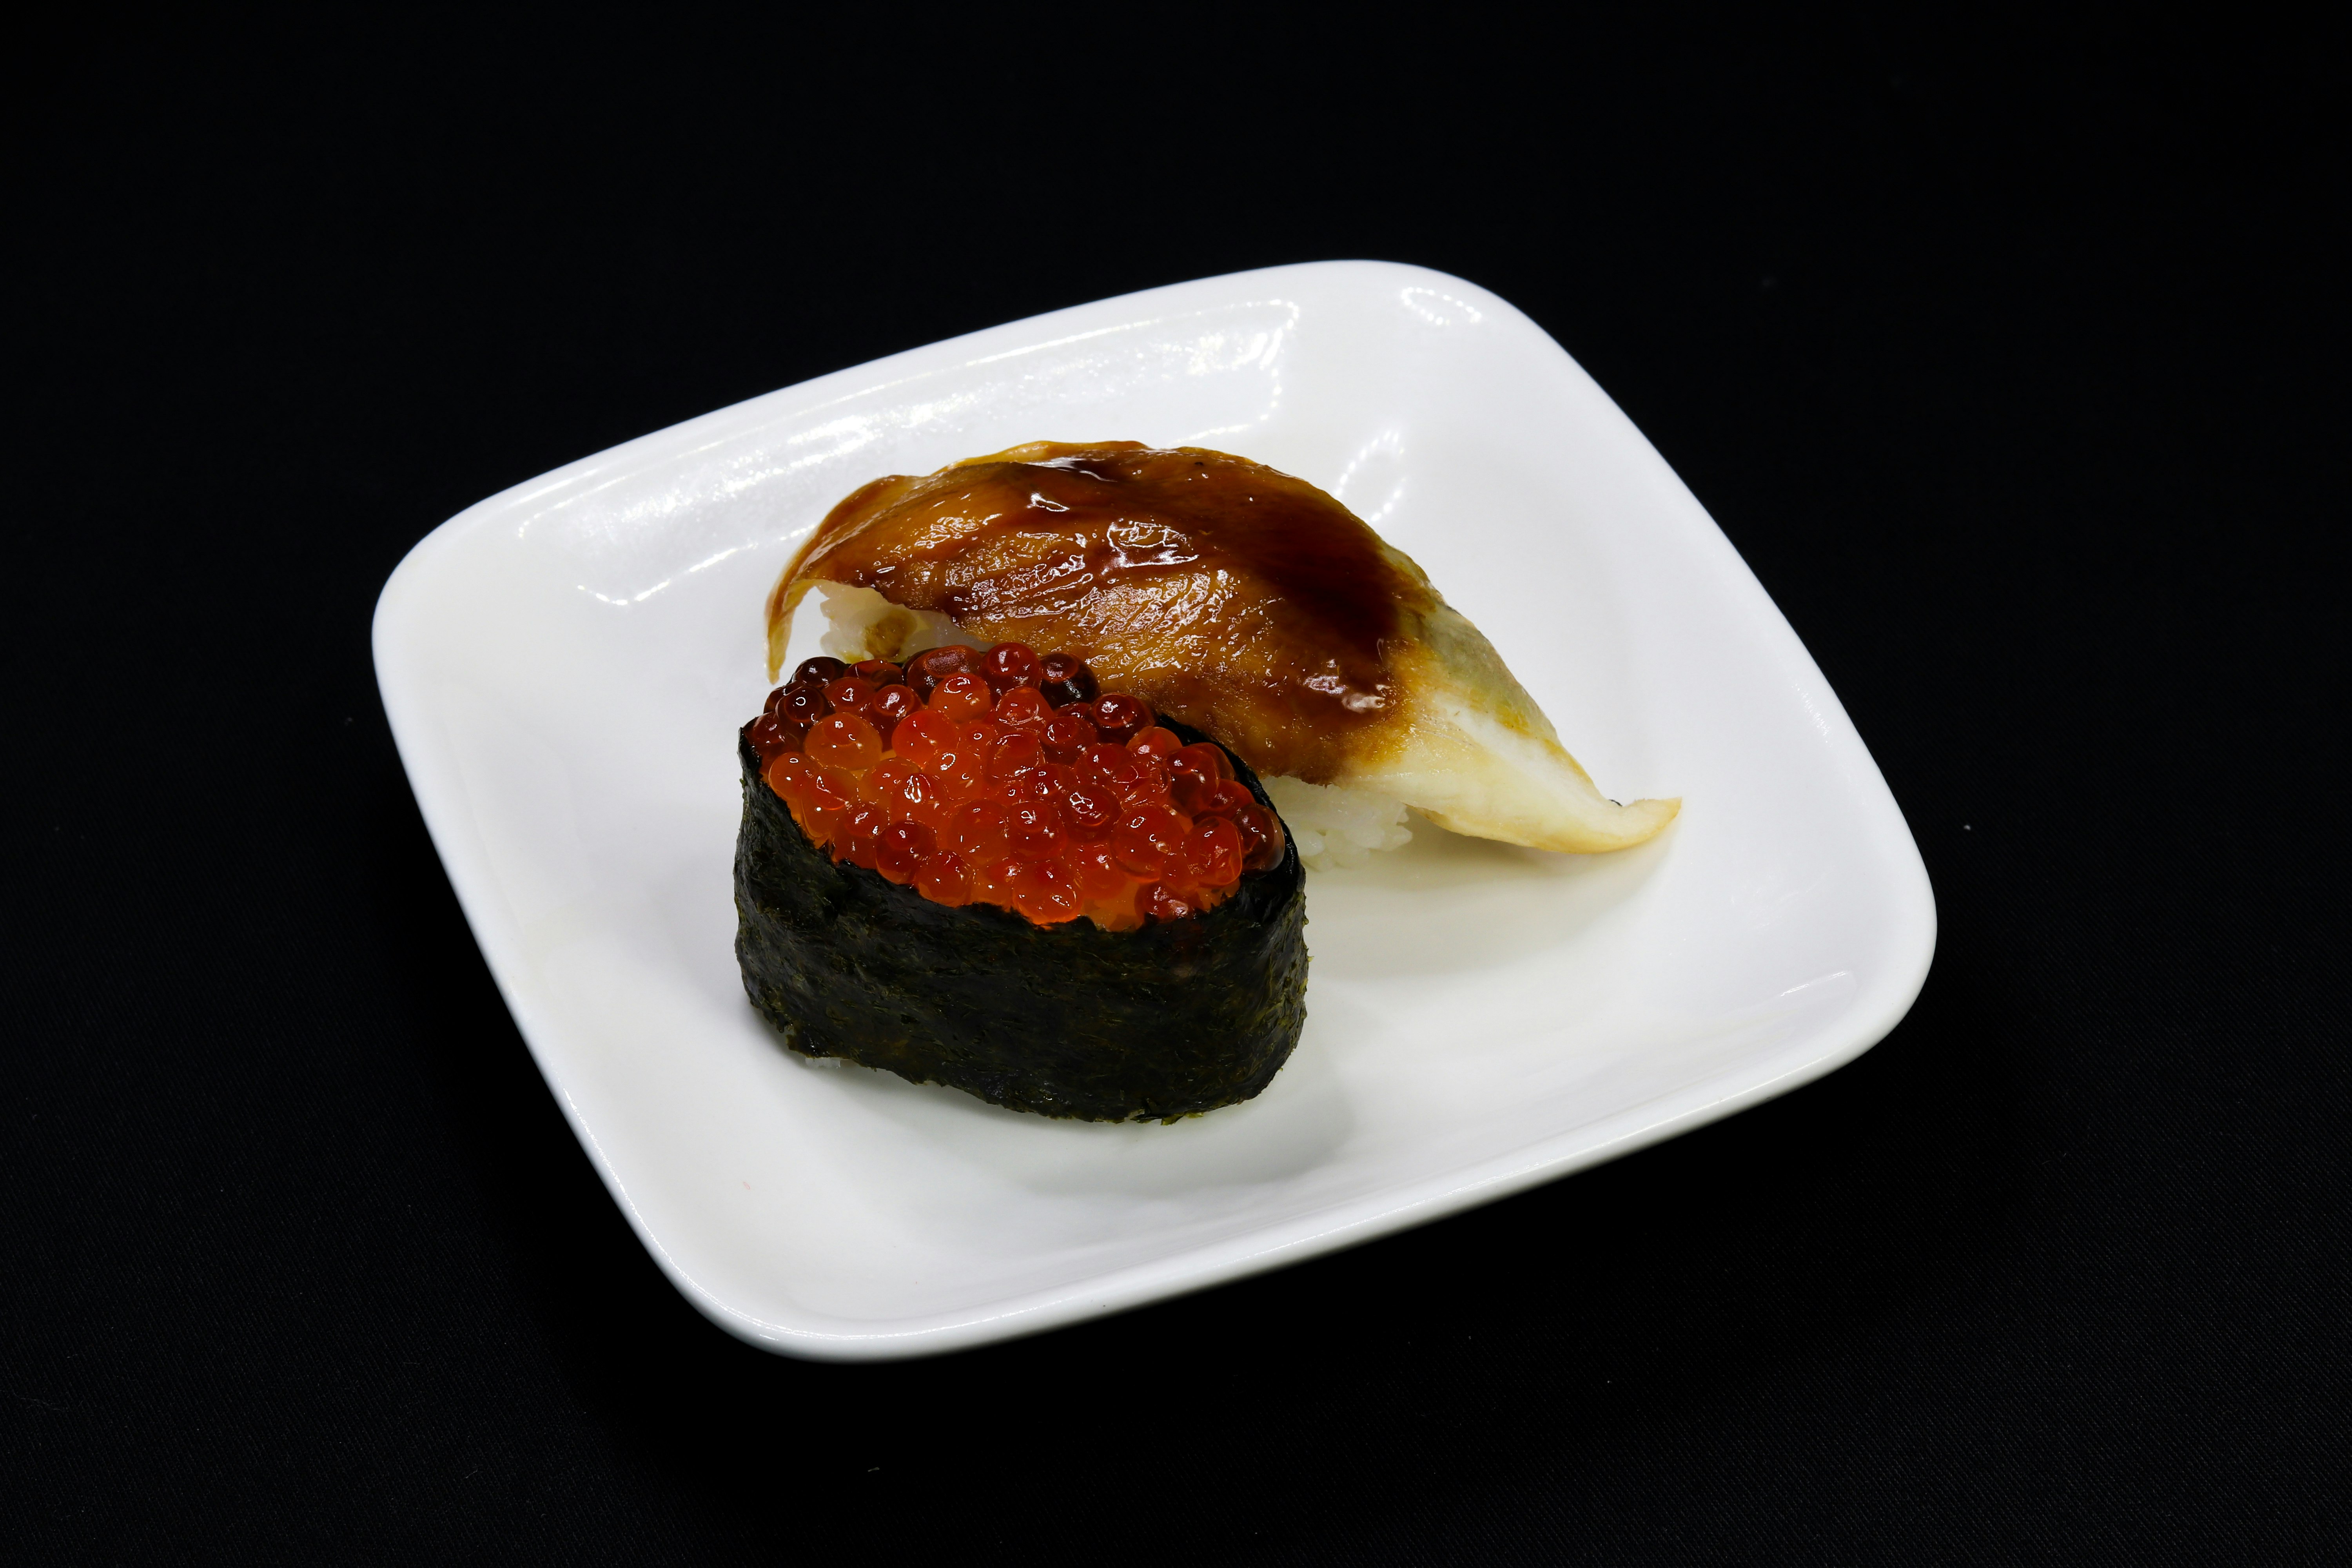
x,y
2005,358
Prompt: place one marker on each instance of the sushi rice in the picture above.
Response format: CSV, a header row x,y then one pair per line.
x,y
1332,826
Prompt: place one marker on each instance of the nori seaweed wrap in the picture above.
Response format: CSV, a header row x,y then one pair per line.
x,y
1067,1019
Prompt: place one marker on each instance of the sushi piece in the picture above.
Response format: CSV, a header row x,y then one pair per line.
x,y
978,870
1231,597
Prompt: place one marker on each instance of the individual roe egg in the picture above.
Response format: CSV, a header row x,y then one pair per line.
x,y
1038,785
1070,733
1162,902
818,671
849,694
1211,853
1035,831
1114,765
1119,717
900,849
944,879
1190,784
1064,679
1015,752
964,770
844,741
976,831
1262,836
1023,709
1203,759
1099,875
1043,890
1148,837
963,696
992,879
803,702
1223,798
1147,783
827,798
1090,808
788,773
876,784
860,835
1010,664
770,735
921,737
1156,742
893,706
926,670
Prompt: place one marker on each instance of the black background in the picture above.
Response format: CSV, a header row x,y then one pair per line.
x,y
2008,358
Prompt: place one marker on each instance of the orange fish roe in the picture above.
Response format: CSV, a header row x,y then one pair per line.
x,y
1004,778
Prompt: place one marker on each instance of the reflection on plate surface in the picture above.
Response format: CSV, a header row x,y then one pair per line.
x,y
564,666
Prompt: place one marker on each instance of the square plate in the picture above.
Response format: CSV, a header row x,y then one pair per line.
x,y
565,665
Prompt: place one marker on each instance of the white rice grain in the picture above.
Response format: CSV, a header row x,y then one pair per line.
x,y
1335,825
862,624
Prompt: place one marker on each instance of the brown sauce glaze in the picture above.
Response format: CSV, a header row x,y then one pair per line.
x,y
1246,603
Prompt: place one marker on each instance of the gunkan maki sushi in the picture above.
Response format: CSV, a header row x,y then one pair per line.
x,y
975,869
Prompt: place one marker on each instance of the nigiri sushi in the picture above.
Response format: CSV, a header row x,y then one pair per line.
x,y
1235,598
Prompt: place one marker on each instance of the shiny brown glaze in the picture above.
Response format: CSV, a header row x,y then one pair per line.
x,y
1246,603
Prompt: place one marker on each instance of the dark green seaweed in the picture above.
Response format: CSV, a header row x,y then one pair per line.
x,y
1065,1020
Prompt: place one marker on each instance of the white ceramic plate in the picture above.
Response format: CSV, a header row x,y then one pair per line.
x,y
565,666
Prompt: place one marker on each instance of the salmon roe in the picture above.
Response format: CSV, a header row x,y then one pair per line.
x,y
1004,778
